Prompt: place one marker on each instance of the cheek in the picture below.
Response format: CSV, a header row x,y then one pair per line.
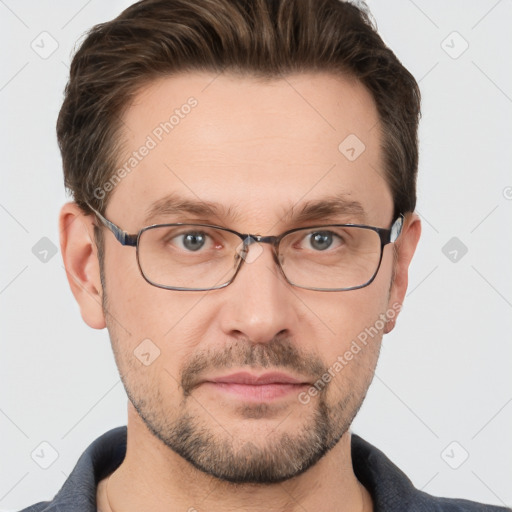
x,y
352,355
352,325
153,332
143,310
352,313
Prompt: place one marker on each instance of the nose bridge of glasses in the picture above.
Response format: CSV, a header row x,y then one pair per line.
x,y
248,240
251,239
256,240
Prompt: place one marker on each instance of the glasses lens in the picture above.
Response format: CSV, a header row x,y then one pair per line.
x,y
330,257
196,257
189,256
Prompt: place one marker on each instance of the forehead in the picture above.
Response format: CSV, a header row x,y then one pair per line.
x,y
256,147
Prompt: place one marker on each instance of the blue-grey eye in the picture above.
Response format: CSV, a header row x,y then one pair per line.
x,y
193,241
321,240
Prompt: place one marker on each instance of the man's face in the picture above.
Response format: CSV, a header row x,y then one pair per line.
x,y
260,151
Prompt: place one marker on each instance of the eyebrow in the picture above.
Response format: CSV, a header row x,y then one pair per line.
x,y
326,208
173,204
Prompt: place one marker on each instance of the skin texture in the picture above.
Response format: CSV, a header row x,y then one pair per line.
x,y
261,150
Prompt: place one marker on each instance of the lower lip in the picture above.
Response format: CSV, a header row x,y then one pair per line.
x,y
257,393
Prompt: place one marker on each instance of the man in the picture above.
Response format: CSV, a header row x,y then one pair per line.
x,y
243,176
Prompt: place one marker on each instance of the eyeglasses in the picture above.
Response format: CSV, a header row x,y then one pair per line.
x,y
202,257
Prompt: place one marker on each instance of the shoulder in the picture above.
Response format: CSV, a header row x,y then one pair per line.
x,y
392,490
38,507
423,502
100,459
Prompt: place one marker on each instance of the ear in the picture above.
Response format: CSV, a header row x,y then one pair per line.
x,y
81,263
405,246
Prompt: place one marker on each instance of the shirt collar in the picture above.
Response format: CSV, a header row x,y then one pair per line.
x,y
388,485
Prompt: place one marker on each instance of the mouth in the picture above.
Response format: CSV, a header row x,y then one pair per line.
x,y
257,388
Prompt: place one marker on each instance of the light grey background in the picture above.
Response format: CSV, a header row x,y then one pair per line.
x,y
444,374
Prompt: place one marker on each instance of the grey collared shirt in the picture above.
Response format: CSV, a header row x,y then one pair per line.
x,y
389,487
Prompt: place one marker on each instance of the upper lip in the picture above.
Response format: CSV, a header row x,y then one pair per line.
x,y
257,380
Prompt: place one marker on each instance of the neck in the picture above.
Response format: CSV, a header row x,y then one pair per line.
x,y
153,477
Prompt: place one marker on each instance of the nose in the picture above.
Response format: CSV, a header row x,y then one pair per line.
x,y
259,304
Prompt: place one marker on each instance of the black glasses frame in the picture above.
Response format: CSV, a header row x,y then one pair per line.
x,y
386,236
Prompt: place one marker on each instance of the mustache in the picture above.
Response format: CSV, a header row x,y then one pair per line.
x,y
279,353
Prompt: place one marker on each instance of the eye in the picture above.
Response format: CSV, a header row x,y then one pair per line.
x,y
191,240
322,240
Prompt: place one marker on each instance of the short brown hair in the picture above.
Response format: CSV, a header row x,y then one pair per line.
x,y
261,38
